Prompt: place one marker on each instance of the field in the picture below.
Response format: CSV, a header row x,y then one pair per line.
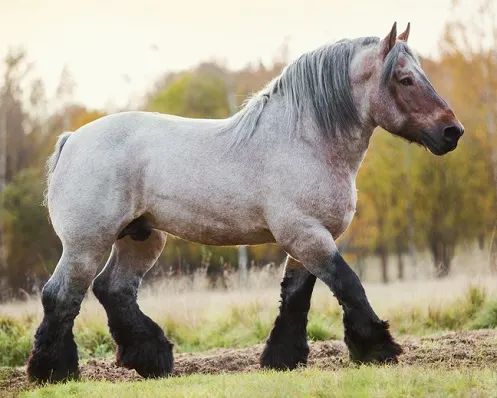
x,y
447,329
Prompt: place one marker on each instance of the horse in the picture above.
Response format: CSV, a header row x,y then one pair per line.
x,y
287,175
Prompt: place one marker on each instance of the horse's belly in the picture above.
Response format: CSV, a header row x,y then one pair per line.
x,y
208,229
215,238
220,237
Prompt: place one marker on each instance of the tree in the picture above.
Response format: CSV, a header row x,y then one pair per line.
x,y
65,91
471,41
84,116
13,116
12,135
31,245
383,194
201,94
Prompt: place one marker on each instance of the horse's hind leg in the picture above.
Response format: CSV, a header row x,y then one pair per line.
x,y
54,356
141,342
287,346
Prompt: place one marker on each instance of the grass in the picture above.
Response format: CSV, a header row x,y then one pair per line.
x,y
361,382
198,321
472,311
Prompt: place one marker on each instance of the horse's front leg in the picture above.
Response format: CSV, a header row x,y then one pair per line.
x,y
367,337
286,346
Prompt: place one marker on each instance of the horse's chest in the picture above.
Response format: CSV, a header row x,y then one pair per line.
x,y
341,212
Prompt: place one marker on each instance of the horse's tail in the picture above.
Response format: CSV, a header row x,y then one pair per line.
x,y
53,159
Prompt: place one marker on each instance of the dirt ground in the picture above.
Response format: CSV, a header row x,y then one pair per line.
x,y
477,349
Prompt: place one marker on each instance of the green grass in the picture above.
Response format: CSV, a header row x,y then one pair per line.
x,y
362,382
244,326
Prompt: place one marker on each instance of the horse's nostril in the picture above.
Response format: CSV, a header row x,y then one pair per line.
x,y
453,132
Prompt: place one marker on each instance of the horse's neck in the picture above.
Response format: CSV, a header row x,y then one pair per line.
x,y
344,150
349,148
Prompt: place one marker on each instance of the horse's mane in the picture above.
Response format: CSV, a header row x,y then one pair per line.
x,y
317,83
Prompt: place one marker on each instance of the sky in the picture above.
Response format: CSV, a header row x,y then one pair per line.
x,y
101,41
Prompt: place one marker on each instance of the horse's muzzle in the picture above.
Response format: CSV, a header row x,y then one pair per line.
x,y
441,142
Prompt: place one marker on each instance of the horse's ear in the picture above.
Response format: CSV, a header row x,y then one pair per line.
x,y
389,41
405,35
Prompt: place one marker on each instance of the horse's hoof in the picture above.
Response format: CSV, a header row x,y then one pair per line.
x,y
381,353
53,363
284,356
380,348
151,358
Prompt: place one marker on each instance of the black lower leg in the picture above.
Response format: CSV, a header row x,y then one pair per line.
x,y
55,355
367,337
141,343
287,346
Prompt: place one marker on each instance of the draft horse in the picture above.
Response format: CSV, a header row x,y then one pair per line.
x,y
281,170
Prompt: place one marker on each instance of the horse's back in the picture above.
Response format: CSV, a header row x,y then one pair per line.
x,y
134,125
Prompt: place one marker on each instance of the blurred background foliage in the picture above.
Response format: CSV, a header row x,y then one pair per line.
x,y
409,201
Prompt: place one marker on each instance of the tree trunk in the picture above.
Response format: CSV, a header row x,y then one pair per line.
x,y
400,265
360,266
481,241
491,128
3,179
493,252
242,264
442,256
384,265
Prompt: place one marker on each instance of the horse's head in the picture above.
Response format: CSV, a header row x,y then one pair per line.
x,y
401,98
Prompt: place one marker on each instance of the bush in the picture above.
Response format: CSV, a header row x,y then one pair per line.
x,y
15,342
486,318
94,341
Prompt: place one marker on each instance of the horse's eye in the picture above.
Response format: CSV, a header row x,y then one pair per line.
x,y
407,81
